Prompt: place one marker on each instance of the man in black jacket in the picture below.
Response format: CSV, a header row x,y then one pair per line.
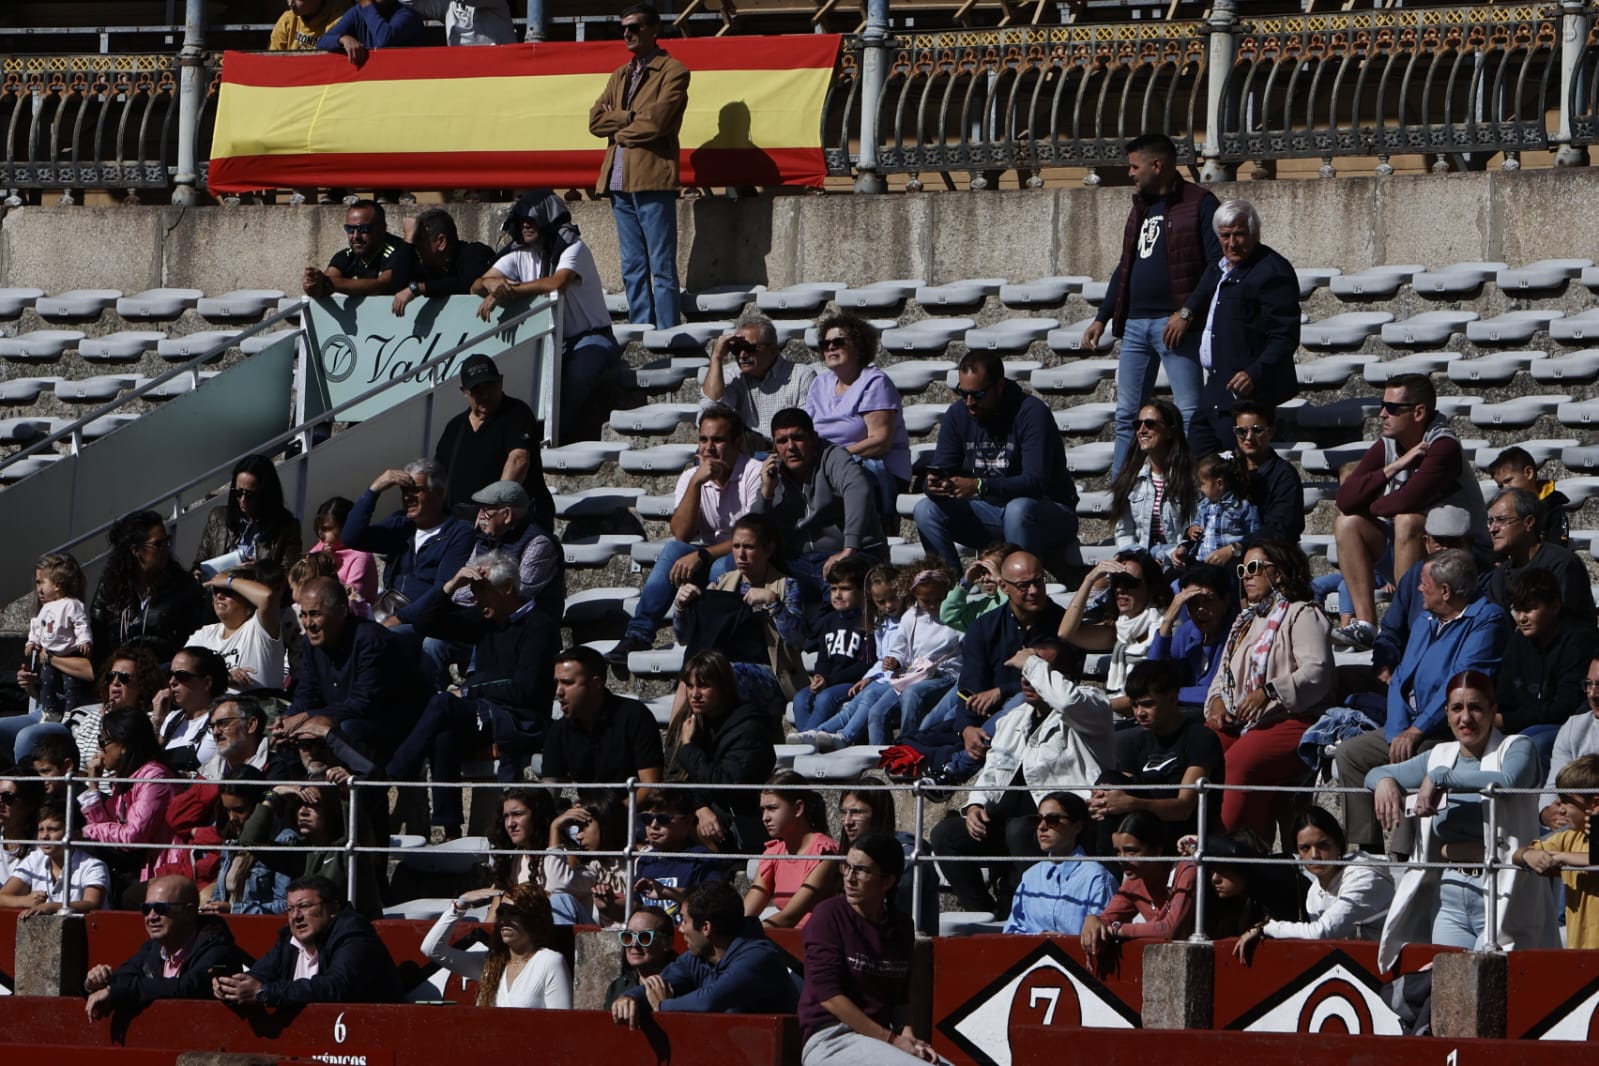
x,y
173,963
327,953
1248,305
506,696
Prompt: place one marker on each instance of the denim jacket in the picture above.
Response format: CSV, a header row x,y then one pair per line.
x,y
1132,529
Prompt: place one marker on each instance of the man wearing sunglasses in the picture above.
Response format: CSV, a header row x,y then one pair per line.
x,y
374,264
998,472
639,115
1416,465
176,961
730,966
767,381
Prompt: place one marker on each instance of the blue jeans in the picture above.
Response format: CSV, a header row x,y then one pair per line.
x,y
888,489
943,714
1458,922
1032,525
646,236
963,765
1142,354
1543,738
443,735
1320,586
811,708
584,363
885,708
12,730
655,598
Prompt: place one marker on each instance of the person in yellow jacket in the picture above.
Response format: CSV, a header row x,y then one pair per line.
x,y
299,27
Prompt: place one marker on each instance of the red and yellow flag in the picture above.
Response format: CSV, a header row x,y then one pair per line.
x,y
510,115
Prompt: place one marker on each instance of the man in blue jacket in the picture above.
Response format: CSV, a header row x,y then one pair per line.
x,y
372,24
998,471
1458,630
327,953
1248,305
730,966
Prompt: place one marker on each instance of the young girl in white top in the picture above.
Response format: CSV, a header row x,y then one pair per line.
x,y
920,664
519,969
61,627
37,884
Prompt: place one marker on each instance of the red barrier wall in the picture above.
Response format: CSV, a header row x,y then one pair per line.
x,y
1553,995
8,949
407,1035
1308,986
1039,1046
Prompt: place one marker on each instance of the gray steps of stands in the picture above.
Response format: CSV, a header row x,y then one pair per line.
x,y
1458,280
239,304
1373,283
124,346
1512,327
13,301
1495,368
1042,292
1541,275
40,345
809,297
1428,328
158,303
75,304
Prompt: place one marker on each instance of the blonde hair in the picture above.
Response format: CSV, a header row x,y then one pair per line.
x,y
64,573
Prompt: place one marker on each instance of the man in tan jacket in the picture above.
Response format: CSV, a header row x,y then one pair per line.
x,y
639,114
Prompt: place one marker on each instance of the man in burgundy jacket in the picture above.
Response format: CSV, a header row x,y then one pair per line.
x,y
1417,464
1166,246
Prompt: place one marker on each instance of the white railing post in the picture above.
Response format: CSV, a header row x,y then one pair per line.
x,y
191,64
1490,863
1218,65
351,832
917,886
69,808
630,856
1202,815
874,58
1575,19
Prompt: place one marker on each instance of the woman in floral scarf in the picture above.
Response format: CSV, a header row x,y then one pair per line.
x,y
1275,679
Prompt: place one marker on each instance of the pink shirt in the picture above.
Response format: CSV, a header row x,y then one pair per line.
x,y
357,570
722,505
785,878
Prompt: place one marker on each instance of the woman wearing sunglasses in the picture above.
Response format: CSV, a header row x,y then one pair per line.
x,y
248,632
520,969
19,810
1056,896
646,950
1276,678
135,811
1275,485
182,710
145,597
1139,597
254,524
857,407
130,680
1155,498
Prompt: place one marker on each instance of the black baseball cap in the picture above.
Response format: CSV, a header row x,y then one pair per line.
x,y
479,370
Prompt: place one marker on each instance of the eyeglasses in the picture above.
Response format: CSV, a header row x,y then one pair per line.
x,y
1030,583
1248,432
1052,820
658,818
303,908
1497,520
359,227
159,907
159,545
834,342
183,677
1590,686
1389,407
1148,423
971,394
245,494
852,871
7,798
220,725
1253,567
636,938
631,28
121,677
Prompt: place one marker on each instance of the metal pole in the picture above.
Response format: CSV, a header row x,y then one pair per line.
x,y
631,859
67,852
874,47
191,59
350,833
1574,22
916,858
538,20
1219,64
1490,883
1202,811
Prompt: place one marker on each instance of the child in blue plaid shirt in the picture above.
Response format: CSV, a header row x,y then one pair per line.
x,y
1226,513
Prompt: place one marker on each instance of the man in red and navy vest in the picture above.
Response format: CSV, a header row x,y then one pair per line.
x,y
1167,244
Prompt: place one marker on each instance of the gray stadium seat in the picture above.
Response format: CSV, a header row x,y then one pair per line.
x,y
1458,406
584,457
1516,413
1094,292
1579,413
1042,292
662,459
1010,334
808,297
1495,368
1427,328
596,502
1543,274
1085,418
926,335
158,303
963,293
1018,370
31,465
879,295
720,299
100,389
105,424
1589,278
1455,280
661,662
1512,327
1331,371
1095,504
904,553
915,375
841,765
1068,340
262,341
678,369
1373,283
238,304
1078,375
1350,413
25,390
657,508
1578,489
1347,330
1379,371
656,419
41,345
76,304
597,550
923,418
1541,451
24,430
16,300
630,332
1576,328
791,329
595,605
177,386
1313,278
692,335
182,349
1329,460
124,346
1582,457
616,303
1091,459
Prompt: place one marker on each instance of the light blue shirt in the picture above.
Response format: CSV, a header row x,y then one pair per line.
x,y
1057,897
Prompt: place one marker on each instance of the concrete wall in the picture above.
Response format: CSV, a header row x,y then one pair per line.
x,y
1347,222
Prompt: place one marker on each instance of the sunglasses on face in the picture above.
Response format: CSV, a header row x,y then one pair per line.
x,y
183,677
1251,568
635,939
630,29
1126,581
1030,583
835,342
159,545
7,798
158,907
245,494
121,677
971,394
220,725
659,818
1389,407
1054,821
1250,432
1148,423
359,227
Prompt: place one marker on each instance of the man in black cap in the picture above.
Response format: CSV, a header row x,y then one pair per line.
x,y
495,439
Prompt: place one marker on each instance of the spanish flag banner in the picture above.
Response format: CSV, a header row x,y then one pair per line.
x,y
510,116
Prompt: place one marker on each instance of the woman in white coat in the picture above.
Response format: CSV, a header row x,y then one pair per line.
x,y
1449,906
520,969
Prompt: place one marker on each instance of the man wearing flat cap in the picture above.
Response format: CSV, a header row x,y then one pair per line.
x,y
495,439
505,523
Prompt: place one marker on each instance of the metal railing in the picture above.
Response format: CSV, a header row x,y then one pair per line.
x,y
918,862
1461,84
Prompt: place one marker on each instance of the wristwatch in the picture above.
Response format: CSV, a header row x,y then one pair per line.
x,y
1185,314
704,555
416,288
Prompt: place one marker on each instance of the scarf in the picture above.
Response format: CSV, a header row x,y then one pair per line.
x,y
1274,610
1133,638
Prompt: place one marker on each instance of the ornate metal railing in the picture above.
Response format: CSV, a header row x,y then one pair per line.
x,y
1462,84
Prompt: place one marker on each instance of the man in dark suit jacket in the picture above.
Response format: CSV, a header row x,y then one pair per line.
x,y
1248,307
